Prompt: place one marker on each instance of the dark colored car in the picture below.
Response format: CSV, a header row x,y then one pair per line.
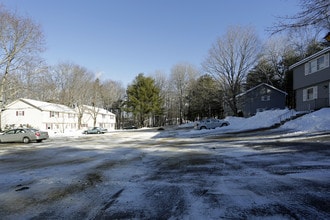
x,y
130,127
96,130
24,135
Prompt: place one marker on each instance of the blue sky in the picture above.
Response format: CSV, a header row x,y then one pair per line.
x,y
121,38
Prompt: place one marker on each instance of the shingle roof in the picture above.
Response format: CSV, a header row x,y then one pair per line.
x,y
47,106
262,84
99,110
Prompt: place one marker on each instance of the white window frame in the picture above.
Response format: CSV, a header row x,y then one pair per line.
x,y
317,64
310,96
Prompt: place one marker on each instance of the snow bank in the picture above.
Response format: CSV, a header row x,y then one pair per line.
x,y
66,133
315,121
260,120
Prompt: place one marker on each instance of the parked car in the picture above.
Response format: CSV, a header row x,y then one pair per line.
x,y
130,127
24,135
96,130
211,123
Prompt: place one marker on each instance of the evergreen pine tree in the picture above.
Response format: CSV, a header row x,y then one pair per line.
x,y
143,100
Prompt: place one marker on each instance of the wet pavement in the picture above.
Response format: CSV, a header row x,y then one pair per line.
x,y
142,175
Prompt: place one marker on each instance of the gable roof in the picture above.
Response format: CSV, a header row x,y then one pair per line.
x,y
45,106
98,110
262,84
325,50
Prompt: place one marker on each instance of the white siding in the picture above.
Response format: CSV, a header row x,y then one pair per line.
x,y
36,117
31,116
104,118
43,116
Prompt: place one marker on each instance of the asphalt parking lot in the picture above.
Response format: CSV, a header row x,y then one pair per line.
x,y
142,175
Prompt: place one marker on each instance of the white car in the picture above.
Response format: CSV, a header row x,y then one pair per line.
x,y
211,123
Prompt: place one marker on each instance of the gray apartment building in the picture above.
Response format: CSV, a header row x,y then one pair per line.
x,y
311,81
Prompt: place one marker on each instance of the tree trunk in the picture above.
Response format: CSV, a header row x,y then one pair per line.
x,y
2,95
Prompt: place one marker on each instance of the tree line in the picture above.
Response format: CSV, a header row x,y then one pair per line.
x,y
236,61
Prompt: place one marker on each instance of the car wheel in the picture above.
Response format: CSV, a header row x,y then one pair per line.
x,y
224,124
203,127
98,132
26,140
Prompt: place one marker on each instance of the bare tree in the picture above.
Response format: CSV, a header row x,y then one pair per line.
x,y
73,84
181,76
305,41
20,40
94,99
111,92
229,60
274,54
314,13
27,81
162,82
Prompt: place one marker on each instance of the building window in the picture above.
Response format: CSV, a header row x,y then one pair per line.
x,y
321,63
54,114
265,98
264,91
84,125
71,115
19,113
317,64
310,93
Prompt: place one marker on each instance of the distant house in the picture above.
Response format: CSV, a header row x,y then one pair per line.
x,y
311,81
38,114
51,116
99,117
260,98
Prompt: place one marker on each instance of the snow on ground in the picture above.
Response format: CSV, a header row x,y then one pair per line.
x,y
135,175
315,121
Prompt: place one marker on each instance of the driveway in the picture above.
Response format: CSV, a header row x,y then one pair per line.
x,y
144,174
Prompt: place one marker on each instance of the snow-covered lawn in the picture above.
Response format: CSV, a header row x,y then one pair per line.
x,y
315,121
281,173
